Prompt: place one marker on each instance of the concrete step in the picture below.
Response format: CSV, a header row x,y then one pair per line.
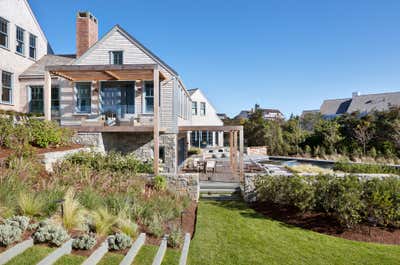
x,y
219,190
221,197
218,185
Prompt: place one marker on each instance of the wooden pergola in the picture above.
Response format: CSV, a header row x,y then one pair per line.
x,y
97,73
235,135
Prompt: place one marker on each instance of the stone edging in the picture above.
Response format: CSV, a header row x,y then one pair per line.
x,y
185,250
98,254
161,252
65,249
133,251
15,251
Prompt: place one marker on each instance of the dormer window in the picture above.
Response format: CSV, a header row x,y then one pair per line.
x,y
3,33
117,57
20,41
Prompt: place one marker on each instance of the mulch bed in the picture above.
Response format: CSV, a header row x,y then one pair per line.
x,y
326,224
5,152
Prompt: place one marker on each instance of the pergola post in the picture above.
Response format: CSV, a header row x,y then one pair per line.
x,y
156,88
241,148
231,154
47,96
235,150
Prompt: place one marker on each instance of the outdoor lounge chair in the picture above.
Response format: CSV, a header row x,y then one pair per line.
x,y
211,166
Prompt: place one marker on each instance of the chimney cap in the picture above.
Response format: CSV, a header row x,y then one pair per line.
x,y
86,14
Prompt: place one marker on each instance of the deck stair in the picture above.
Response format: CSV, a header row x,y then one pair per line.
x,y
215,190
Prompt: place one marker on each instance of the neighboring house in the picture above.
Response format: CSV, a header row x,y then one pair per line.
x,y
305,113
108,91
22,43
204,114
222,116
363,104
268,114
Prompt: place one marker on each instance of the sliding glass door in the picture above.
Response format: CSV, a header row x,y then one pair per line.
x,y
118,98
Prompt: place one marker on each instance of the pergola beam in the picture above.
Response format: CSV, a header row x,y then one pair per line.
x,y
112,74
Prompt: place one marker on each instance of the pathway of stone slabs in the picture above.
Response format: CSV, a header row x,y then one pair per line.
x,y
97,257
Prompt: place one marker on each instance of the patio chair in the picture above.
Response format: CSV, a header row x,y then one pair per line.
x,y
211,166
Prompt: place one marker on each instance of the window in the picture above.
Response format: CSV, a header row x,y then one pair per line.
x,y
202,109
83,97
194,108
148,97
117,57
32,46
6,87
36,104
20,40
3,32
55,99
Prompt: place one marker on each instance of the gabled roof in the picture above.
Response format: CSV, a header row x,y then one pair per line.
x,y
38,68
192,91
135,42
374,102
335,106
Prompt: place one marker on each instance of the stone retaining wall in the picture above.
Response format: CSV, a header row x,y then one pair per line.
x,y
185,183
50,158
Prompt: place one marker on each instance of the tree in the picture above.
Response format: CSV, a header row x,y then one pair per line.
x,y
363,134
329,133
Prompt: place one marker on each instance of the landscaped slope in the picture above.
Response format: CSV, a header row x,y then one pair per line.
x,y
231,233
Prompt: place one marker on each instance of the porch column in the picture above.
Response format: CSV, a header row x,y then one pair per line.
x,y
189,139
156,93
235,150
241,148
47,96
221,138
231,154
213,139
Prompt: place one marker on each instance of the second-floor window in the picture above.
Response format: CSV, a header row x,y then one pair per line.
x,y
202,109
20,41
6,87
32,46
194,108
83,97
3,32
148,97
117,57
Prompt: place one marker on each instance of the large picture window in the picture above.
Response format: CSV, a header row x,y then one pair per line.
x,y
148,97
3,32
83,97
20,41
6,87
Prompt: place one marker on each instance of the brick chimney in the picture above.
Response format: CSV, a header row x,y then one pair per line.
x,y
87,31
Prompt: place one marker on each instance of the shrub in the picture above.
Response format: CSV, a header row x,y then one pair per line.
x,y
160,183
21,222
30,204
50,233
119,241
382,197
125,225
194,151
365,168
175,239
9,234
45,133
6,130
84,242
155,227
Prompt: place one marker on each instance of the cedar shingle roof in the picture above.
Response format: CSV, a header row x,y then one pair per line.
x,y
37,69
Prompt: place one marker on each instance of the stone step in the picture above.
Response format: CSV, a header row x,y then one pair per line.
x,y
219,191
218,184
221,197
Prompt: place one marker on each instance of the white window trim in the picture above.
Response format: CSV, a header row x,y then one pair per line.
x,y
29,49
76,112
112,57
144,97
11,102
23,39
8,34
205,109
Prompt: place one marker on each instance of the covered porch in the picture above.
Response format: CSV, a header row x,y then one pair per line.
x,y
226,168
114,87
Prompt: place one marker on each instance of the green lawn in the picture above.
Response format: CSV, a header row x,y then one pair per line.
x,y
111,259
70,260
171,257
231,233
146,255
31,256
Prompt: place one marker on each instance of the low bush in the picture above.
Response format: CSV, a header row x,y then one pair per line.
x,y
46,133
160,183
175,239
119,241
50,233
84,242
365,168
9,234
194,151
21,222
103,221
350,199
155,226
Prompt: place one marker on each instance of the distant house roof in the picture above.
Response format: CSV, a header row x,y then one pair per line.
x,y
37,69
222,116
244,114
360,103
191,91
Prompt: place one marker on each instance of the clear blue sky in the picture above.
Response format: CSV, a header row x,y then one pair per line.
x,y
286,54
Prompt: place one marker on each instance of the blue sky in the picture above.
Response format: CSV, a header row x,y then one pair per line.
x,y
286,54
